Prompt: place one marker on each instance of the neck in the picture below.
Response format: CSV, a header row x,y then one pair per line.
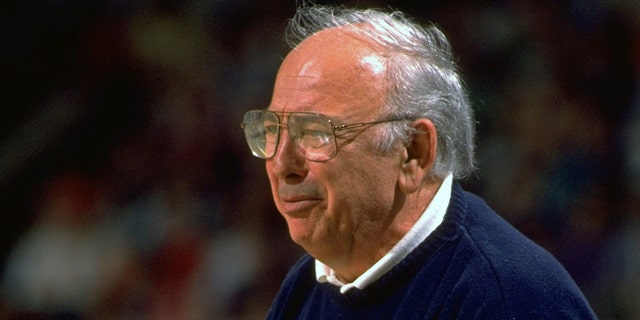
x,y
366,251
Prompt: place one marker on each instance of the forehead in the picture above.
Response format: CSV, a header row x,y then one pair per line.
x,y
333,73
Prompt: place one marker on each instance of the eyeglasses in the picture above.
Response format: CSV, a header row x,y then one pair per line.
x,y
313,133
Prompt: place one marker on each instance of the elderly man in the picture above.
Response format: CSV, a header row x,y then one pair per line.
x,y
367,130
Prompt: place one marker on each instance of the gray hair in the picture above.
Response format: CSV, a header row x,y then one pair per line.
x,y
423,78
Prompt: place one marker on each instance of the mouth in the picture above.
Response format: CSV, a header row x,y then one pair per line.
x,y
298,205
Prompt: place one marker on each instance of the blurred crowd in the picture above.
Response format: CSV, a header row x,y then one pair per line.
x,y
128,192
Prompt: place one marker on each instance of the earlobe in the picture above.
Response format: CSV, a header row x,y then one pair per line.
x,y
419,156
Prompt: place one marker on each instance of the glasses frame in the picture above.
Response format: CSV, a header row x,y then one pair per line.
x,y
334,129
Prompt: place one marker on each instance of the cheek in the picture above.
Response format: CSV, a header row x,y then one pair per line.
x,y
360,184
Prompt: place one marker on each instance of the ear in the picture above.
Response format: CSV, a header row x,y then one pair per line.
x,y
419,156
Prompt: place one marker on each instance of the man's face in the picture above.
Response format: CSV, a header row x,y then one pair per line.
x,y
332,207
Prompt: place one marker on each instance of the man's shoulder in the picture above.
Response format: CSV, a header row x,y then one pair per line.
x,y
502,246
515,269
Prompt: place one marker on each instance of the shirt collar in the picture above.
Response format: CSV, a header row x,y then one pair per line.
x,y
430,219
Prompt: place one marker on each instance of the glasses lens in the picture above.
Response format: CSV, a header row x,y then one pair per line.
x,y
261,130
313,135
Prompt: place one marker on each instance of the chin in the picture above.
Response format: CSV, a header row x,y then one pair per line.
x,y
299,230
318,246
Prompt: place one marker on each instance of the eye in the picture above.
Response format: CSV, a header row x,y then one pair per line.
x,y
314,138
270,128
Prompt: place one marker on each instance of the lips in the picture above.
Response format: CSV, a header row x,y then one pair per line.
x,y
298,199
298,205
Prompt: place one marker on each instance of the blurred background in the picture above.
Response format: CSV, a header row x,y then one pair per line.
x,y
127,191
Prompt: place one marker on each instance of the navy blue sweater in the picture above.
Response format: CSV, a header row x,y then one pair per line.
x,y
473,266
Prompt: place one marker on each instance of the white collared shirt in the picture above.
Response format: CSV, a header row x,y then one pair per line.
x,y
430,219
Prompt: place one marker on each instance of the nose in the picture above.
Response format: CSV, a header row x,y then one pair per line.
x,y
288,164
